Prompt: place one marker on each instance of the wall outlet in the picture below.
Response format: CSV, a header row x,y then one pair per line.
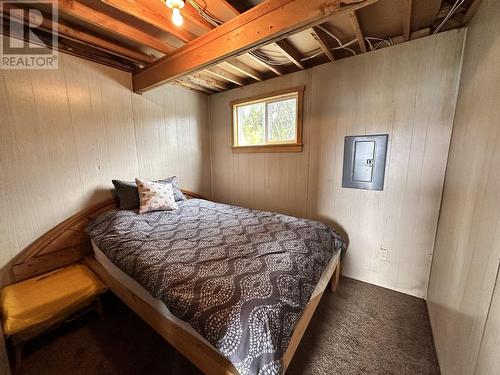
x,y
384,254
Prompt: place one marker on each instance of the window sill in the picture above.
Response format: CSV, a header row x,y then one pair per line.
x,y
268,148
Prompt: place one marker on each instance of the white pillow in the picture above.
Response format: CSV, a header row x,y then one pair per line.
x,y
154,196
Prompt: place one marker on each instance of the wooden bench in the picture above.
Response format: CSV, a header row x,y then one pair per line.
x,y
33,306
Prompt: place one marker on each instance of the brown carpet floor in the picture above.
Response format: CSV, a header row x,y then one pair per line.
x,y
363,329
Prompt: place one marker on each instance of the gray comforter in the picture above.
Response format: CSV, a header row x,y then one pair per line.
x,y
239,277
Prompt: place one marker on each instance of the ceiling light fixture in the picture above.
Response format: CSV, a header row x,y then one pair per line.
x,y
176,6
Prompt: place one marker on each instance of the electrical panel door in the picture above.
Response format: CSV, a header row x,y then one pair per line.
x,y
364,161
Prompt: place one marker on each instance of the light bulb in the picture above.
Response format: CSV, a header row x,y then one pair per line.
x,y
177,17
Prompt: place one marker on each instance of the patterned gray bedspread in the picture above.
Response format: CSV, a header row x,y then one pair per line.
x,y
239,277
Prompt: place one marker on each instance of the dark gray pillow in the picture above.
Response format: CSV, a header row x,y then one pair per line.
x,y
126,191
129,198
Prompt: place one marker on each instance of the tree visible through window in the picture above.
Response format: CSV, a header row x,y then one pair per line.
x,y
251,120
282,118
268,121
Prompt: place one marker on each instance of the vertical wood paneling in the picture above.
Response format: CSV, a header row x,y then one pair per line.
x,y
408,91
64,134
467,247
277,181
488,361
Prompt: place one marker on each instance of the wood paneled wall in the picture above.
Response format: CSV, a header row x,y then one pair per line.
x,y
271,182
66,133
464,311
408,91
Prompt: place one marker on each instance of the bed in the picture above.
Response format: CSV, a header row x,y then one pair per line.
x,y
230,288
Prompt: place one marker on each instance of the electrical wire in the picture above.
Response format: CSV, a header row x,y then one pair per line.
x,y
271,60
341,45
452,11
314,54
206,15
203,12
387,41
369,44
276,59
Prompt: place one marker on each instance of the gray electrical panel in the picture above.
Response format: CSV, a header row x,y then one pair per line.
x,y
364,161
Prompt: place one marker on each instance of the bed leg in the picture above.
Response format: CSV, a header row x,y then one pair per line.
x,y
18,352
98,307
334,283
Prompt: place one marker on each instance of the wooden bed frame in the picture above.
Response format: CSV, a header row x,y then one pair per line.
x,y
69,243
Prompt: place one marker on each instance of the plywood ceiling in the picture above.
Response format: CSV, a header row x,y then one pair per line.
x,y
133,34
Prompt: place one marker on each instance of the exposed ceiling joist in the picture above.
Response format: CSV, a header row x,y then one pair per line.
x,y
225,75
244,69
322,39
190,85
270,67
243,7
471,11
414,35
290,53
104,45
149,16
443,11
266,22
357,30
79,36
199,83
210,82
65,45
192,15
103,21
407,8
230,6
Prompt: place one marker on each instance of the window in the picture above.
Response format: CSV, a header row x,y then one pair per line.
x,y
270,123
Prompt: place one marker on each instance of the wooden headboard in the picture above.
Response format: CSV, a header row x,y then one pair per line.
x,y
64,244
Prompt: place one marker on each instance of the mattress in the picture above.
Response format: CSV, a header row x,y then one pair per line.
x,y
240,278
142,293
160,307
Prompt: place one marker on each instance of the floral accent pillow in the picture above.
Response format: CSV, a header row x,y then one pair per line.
x,y
154,196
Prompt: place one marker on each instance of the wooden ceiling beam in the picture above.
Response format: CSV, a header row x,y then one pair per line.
x,y
225,75
159,20
263,24
291,53
284,47
322,38
192,15
357,30
285,50
407,8
244,69
270,67
67,46
108,23
82,37
104,45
